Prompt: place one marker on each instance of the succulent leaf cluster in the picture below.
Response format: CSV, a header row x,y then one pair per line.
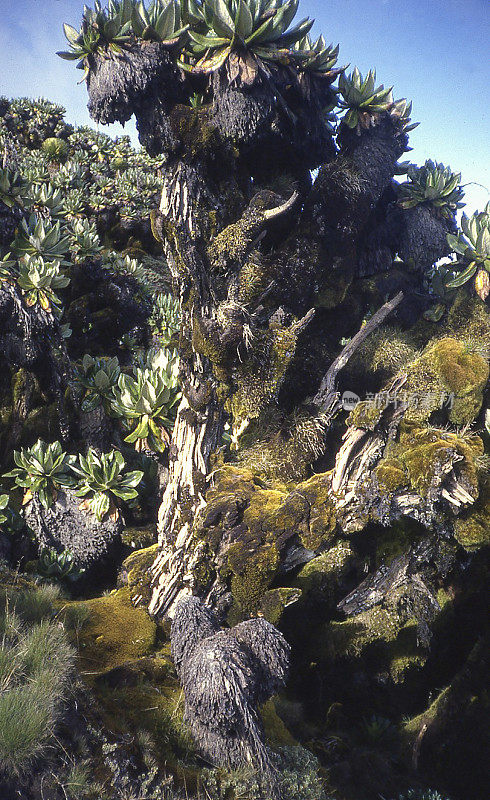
x,y
38,279
39,237
55,149
205,32
31,122
160,22
165,318
46,200
41,470
61,565
472,244
146,401
101,29
262,27
4,501
432,184
94,380
12,187
102,480
317,57
84,240
362,99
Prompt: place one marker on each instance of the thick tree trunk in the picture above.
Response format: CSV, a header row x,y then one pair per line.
x,y
199,427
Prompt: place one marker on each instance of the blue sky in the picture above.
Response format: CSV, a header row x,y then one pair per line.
x,y
435,52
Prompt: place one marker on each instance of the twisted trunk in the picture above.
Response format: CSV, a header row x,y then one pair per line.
x,y
199,425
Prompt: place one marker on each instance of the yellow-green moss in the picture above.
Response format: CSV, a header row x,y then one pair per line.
x,y
275,601
390,475
425,451
139,538
365,415
473,529
115,632
322,521
446,368
353,635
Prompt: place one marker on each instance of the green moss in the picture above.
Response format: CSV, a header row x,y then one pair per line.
x,y
41,423
323,573
205,343
193,129
275,601
446,368
135,572
404,655
139,538
352,636
115,632
473,529
275,729
468,319
390,475
365,415
253,573
397,539
425,452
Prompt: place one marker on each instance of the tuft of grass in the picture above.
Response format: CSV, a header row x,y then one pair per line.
x,y
36,663
32,606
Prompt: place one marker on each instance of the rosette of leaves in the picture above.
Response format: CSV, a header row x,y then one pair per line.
x,y
46,199
55,149
84,240
11,188
362,99
68,176
8,270
127,266
42,470
61,565
146,402
260,27
74,203
165,318
434,185
160,22
401,111
472,244
317,56
101,30
94,380
38,237
38,280
102,481
4,501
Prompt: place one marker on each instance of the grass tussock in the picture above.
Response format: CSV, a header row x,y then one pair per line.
x,y
36,663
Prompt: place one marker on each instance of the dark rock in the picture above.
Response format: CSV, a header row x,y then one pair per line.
x,y
65,526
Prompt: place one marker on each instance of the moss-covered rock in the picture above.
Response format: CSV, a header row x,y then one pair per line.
x,y
472,530
446,375
248,529
115,632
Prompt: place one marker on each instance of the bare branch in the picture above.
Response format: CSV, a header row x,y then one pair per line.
x,y
327,386
274,213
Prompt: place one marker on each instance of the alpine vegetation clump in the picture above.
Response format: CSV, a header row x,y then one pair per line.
x,y
36,667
